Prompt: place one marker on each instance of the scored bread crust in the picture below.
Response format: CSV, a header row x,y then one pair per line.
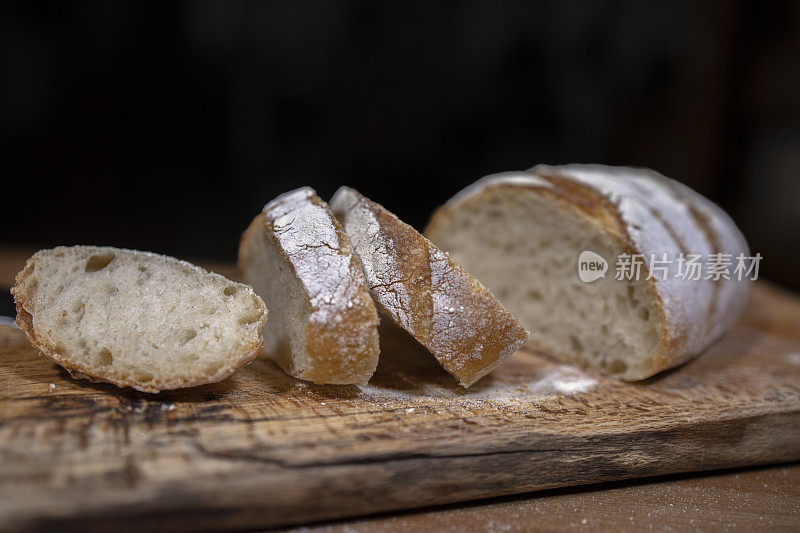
x,y
645,213
417,285
340,343
80,370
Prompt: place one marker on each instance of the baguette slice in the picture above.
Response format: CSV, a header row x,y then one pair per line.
x,y
298,258
136,319
523,233
415,284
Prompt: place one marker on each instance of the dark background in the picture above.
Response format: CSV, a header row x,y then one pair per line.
x,y
166,126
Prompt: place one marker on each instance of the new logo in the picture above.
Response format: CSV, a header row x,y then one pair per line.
x,y
591,266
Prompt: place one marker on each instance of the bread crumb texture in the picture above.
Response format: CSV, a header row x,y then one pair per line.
x,y
137,319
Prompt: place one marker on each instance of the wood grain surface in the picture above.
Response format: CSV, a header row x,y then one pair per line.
x,y
261,449
755,499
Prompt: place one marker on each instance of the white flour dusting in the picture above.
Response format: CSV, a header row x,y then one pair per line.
x,y
556,380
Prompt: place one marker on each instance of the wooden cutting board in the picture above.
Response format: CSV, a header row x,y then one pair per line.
x,y
261,449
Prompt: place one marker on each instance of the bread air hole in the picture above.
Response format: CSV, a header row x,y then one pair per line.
x,y
99,261
576,344
78,308
187,335
230,290
103,357
250,317
213,368
533,294
632,296
143,375
617,366
144,275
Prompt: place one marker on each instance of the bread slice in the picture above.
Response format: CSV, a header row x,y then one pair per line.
x,y
522,233
136,319
299,260
424,292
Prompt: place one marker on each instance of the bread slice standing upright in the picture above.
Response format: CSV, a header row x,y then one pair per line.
x,y
324,325
136,319
524,233
424,292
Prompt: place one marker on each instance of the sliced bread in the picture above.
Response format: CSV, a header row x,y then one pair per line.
x,y
424,292
523,234
299,260
136,319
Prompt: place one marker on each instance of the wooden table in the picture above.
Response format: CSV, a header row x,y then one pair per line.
x,y
742,500
734,499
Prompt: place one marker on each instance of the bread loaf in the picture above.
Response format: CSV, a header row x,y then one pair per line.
x,y
522,234
424,292
324,325
136,319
